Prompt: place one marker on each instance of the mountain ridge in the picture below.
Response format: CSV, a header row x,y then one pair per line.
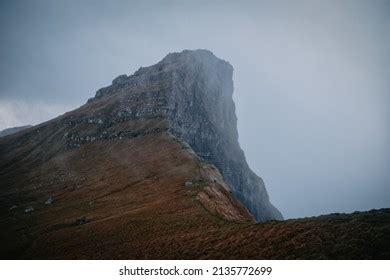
x,y
133,174
195,95
12,130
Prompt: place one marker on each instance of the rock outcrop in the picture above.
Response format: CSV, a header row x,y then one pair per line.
x,y
192,90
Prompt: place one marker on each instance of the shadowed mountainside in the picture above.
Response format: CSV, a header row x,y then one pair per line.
x,y
135,173
12,130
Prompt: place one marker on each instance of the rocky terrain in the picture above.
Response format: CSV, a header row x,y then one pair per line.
x,y
151,168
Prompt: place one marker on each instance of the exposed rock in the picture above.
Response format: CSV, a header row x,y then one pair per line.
x,y
188,184
193,91
120,80
203,115
218,201
28,209
50,200
82,221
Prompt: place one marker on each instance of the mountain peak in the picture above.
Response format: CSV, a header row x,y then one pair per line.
x,y
191,91
191,56
173,62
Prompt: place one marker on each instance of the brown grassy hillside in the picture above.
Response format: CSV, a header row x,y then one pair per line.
x,y
133,196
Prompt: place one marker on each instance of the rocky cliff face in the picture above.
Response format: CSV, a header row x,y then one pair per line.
x,y
192,91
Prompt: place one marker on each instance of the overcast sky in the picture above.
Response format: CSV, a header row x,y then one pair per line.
x,y
312,81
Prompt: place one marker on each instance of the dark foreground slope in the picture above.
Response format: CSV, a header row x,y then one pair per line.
x,y
115,180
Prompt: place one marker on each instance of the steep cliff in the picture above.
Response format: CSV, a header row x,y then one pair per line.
x,y
193,91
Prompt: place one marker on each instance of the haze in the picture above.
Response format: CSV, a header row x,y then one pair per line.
x,y
311,81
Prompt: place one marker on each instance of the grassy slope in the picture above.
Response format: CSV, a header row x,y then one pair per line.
x,y
133,195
